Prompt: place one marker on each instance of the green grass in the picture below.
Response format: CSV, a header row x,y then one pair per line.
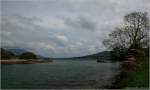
x,y
139,77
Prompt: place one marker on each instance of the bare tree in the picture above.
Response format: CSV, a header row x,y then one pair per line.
x,y
132,34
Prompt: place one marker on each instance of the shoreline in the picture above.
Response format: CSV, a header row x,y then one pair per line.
x,y
20,61
133,75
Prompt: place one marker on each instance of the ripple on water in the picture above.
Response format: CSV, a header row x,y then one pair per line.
x,y
59,74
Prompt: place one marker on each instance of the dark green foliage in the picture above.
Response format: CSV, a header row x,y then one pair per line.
x,y
135,46
6,54
146,50
28,55
138,77
117,54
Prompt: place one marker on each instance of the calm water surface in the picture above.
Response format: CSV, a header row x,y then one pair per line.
x,y
59,74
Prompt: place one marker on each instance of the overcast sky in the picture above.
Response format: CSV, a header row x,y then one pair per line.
x,y
63,28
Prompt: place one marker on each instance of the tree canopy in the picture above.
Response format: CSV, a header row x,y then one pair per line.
x,y
132,34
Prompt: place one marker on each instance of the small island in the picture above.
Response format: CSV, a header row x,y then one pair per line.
x,y
7,57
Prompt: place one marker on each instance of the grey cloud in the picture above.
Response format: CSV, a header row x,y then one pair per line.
x,y
87,24
14,34
38,39
23,24
81,23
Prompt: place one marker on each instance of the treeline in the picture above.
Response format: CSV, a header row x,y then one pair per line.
x,y
6,54
118,54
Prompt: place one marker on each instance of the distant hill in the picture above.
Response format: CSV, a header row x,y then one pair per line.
x,y
5,54
16,51
105,55
19,51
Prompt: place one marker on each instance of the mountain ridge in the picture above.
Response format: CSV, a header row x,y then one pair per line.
x,y
104,55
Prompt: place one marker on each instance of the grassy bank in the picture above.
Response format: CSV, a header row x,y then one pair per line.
x,y
138,77
135,77
134,71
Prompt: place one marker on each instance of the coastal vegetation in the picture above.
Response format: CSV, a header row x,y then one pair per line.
x,y
130,45
137,77
8,57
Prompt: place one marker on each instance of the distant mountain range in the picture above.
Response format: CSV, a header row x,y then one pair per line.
x,y
16,51
19,51
105,55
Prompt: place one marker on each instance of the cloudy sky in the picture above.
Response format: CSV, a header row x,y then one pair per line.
x,y
63,28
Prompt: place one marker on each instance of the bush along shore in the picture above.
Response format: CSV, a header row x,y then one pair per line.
x,y
134,71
